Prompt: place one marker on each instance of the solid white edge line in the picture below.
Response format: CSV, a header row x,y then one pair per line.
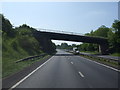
x,y
103,65
29,74
81,74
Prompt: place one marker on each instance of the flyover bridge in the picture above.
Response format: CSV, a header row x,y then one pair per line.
x,y
71,36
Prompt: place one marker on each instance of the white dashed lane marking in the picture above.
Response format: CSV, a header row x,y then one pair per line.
x,y
71,62
81,74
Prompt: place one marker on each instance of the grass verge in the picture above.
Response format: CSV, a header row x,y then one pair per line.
x,y
90,52
103,60
16,67
116,54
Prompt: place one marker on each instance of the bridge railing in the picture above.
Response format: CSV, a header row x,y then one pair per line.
x,y
65,32
59,31
30,58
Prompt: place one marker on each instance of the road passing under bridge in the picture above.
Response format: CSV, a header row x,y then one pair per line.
x,y
65,70
103,43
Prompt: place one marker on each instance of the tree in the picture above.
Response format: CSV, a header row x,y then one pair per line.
x,y
7,27
114,37
74,45
116,25
58,47
101,31
64,45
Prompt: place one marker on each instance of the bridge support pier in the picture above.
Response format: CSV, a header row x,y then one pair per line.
x,y
103,49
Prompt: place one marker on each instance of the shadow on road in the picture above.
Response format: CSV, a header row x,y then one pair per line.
x,y
64,55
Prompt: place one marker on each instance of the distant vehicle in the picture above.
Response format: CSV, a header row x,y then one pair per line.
x,y
75,51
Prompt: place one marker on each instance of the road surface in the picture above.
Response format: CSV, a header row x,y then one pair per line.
x,y
67,71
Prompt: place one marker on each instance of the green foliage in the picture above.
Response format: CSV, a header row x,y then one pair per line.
x,y
7,27
116,25
88,47
114,37
66,46
19,43
112,34
115,54
101,31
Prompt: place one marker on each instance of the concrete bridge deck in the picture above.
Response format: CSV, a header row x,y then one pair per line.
x,y
103,42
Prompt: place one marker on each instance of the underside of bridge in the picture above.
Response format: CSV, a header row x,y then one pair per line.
x,y
103,43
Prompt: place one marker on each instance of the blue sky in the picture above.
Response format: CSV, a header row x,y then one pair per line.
x,y
79,17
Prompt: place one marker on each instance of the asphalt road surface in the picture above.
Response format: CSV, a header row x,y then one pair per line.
x,y
67,71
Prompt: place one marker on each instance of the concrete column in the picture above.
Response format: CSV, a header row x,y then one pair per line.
x,y
103,49
99,49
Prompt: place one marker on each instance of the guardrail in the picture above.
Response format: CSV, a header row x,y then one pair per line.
x,y
106,59
30,57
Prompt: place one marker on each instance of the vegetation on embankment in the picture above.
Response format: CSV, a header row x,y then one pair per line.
x,y
115,54
105,61
91,52
19,43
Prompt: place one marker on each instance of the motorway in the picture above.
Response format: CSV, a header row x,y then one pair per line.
x,y
65,70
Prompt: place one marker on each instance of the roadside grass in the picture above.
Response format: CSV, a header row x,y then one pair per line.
x,y
91,52
17,48
95,52
10,67
102,60
115,54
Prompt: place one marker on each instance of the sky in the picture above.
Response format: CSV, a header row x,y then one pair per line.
x,y
78,17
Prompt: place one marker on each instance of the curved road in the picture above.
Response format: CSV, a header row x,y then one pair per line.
x,y
67,71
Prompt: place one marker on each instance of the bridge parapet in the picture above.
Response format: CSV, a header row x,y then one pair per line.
x,y
65,32
59,31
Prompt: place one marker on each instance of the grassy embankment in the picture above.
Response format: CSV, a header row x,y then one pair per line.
x,y
91,52
17,48
95,52
115,54
103,60
19,45
100,59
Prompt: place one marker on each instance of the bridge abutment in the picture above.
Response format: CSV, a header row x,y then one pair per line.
x,y
103,49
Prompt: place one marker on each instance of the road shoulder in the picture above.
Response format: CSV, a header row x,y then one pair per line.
x,y
11,80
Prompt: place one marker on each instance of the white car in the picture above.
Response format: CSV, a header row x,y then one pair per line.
x,y
76,52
